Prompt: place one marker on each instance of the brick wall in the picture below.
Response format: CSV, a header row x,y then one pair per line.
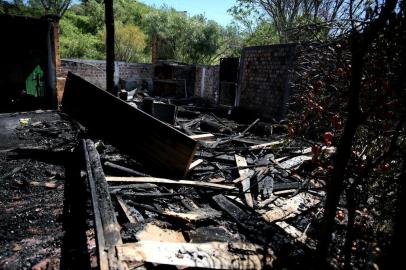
x,y
209,87
265,73
135,71
95,71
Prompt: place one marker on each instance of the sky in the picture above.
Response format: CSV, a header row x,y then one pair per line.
x,y
213,9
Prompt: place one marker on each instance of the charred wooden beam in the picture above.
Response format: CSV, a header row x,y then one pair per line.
x,y
124,169
211,126
107,228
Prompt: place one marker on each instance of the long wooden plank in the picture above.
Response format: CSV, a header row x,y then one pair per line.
x,y
161,148
211,255
245,180
101,249
202,137
103,206
168,182
265,145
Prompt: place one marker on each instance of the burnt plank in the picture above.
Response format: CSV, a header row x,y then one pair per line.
x,y
211,255
245,182
239,215
156,144
107,228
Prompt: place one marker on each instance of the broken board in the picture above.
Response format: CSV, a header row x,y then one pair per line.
x,y
213,255
282,208
160,147
245,179
152,232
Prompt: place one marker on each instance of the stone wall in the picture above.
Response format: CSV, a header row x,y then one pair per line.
x,y
265,73
207,82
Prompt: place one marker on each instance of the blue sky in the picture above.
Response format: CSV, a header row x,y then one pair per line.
x,y
212,9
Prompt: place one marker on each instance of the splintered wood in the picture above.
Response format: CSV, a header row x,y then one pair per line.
x,y
282,208
195,215
297,235
245,180
213,255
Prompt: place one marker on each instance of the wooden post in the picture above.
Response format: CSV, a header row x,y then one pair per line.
x,y
154,49
60,78
109,18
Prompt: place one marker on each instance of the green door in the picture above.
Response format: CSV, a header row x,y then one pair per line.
x,y
35,82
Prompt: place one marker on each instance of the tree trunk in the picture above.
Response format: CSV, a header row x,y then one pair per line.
x,y
395,254
109,18
349,237
359,45
336,183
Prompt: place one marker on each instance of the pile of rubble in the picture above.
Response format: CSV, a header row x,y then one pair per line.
x,y
205,192
240,192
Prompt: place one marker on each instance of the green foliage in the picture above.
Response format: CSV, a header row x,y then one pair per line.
x,y
231,42
94,11
253,24
202,42
19,8
264,34
77,43
130,43
188,39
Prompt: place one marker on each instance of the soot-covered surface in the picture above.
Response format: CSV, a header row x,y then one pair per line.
x,y
44,224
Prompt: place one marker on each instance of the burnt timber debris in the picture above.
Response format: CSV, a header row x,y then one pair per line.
x,y
192,190
236,200
241,199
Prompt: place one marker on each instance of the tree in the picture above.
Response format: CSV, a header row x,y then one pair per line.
x,y
56,8
353,93
287,15
360,42
130,43
201,41
264,34
186,39
52,7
